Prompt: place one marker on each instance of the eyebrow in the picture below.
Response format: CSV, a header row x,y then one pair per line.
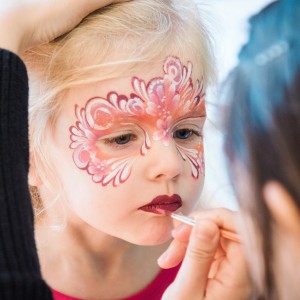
x,y
192,114
121,117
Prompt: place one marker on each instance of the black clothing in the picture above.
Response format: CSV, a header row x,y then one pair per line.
x,y
20,276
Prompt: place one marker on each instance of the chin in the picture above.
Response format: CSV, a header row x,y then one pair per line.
x,y
154,242
152,237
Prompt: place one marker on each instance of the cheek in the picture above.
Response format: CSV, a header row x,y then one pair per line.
x,y
191,190
198,185
107,164
116,170
96,205
195,158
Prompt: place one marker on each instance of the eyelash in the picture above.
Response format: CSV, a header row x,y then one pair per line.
x,y
191,131
112,141
132,137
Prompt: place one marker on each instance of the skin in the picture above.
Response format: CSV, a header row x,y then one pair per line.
x,y
285,220
216,267
199,247
112,132
41,21
204,238
105,213
286,225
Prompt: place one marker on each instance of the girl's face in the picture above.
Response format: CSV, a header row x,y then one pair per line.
x,y
127,147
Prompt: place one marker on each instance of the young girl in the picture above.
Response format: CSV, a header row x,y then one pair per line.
x,y
116,122
116,119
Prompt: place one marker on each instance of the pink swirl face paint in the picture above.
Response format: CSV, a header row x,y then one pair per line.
x,y
164,109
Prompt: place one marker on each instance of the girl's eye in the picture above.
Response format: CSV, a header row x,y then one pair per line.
x,y
123,139
184,134
120,140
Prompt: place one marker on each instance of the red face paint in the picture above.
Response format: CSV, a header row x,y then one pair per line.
x,y
170,105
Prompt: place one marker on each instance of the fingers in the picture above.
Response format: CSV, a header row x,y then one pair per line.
x,y
212,267
173,255
182,232
224,218
191,280
86,7
118,1
281,204
80,9
176,251
24,24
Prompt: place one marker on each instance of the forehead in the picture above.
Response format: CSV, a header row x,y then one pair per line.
x,y
166,85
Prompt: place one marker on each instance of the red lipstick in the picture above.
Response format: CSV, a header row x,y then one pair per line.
x,y
163,202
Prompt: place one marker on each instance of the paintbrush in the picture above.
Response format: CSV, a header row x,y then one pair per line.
x,y
184,219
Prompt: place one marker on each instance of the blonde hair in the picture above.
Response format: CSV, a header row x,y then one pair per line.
x,y
114,41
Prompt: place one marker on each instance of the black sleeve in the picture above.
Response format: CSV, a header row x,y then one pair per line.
x,y
20,276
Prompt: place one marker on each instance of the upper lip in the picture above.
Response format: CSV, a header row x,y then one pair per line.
x,y
164,200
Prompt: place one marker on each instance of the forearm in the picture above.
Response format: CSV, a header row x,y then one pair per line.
x,y
20,276
24,24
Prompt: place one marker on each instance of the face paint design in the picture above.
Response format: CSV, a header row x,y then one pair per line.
x,y
96,121
165,104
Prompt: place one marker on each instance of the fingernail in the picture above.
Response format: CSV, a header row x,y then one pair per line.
x,y
163,257
178,230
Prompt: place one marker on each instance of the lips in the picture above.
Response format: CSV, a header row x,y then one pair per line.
x,y
163,202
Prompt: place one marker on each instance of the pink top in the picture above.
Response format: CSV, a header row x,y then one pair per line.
x,y
153,291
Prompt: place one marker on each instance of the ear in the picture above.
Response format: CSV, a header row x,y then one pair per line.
x,y
33,175
282,207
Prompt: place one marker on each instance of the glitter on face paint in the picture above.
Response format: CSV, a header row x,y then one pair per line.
x,y
160,103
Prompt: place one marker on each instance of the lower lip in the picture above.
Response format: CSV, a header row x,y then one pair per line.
x,y
158,208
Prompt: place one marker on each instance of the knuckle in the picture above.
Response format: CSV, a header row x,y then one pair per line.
x,y
197,254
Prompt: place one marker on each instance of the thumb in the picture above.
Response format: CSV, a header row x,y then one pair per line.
x,y
192,277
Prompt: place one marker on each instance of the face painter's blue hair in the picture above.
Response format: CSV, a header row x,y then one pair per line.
x,y
262,126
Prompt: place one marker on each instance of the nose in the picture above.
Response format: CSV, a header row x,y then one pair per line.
x,y
163,162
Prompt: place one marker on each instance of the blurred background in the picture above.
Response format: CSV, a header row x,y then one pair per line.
x,y
227,21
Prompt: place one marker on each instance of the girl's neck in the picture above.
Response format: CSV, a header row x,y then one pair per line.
x,y
87,256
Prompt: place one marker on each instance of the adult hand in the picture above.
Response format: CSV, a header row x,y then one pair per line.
x,y
26,23
213,267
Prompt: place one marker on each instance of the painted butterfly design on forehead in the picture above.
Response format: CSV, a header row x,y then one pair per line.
x,y
162,100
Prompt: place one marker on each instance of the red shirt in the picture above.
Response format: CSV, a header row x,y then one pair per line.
x,y
153,291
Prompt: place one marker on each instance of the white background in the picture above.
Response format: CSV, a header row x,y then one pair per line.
x,y
227,21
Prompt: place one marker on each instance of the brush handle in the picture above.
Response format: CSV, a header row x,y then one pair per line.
x,y
229,235
224,233
183,219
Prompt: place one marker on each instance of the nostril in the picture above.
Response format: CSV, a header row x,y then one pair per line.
x,y
164,162
168,176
